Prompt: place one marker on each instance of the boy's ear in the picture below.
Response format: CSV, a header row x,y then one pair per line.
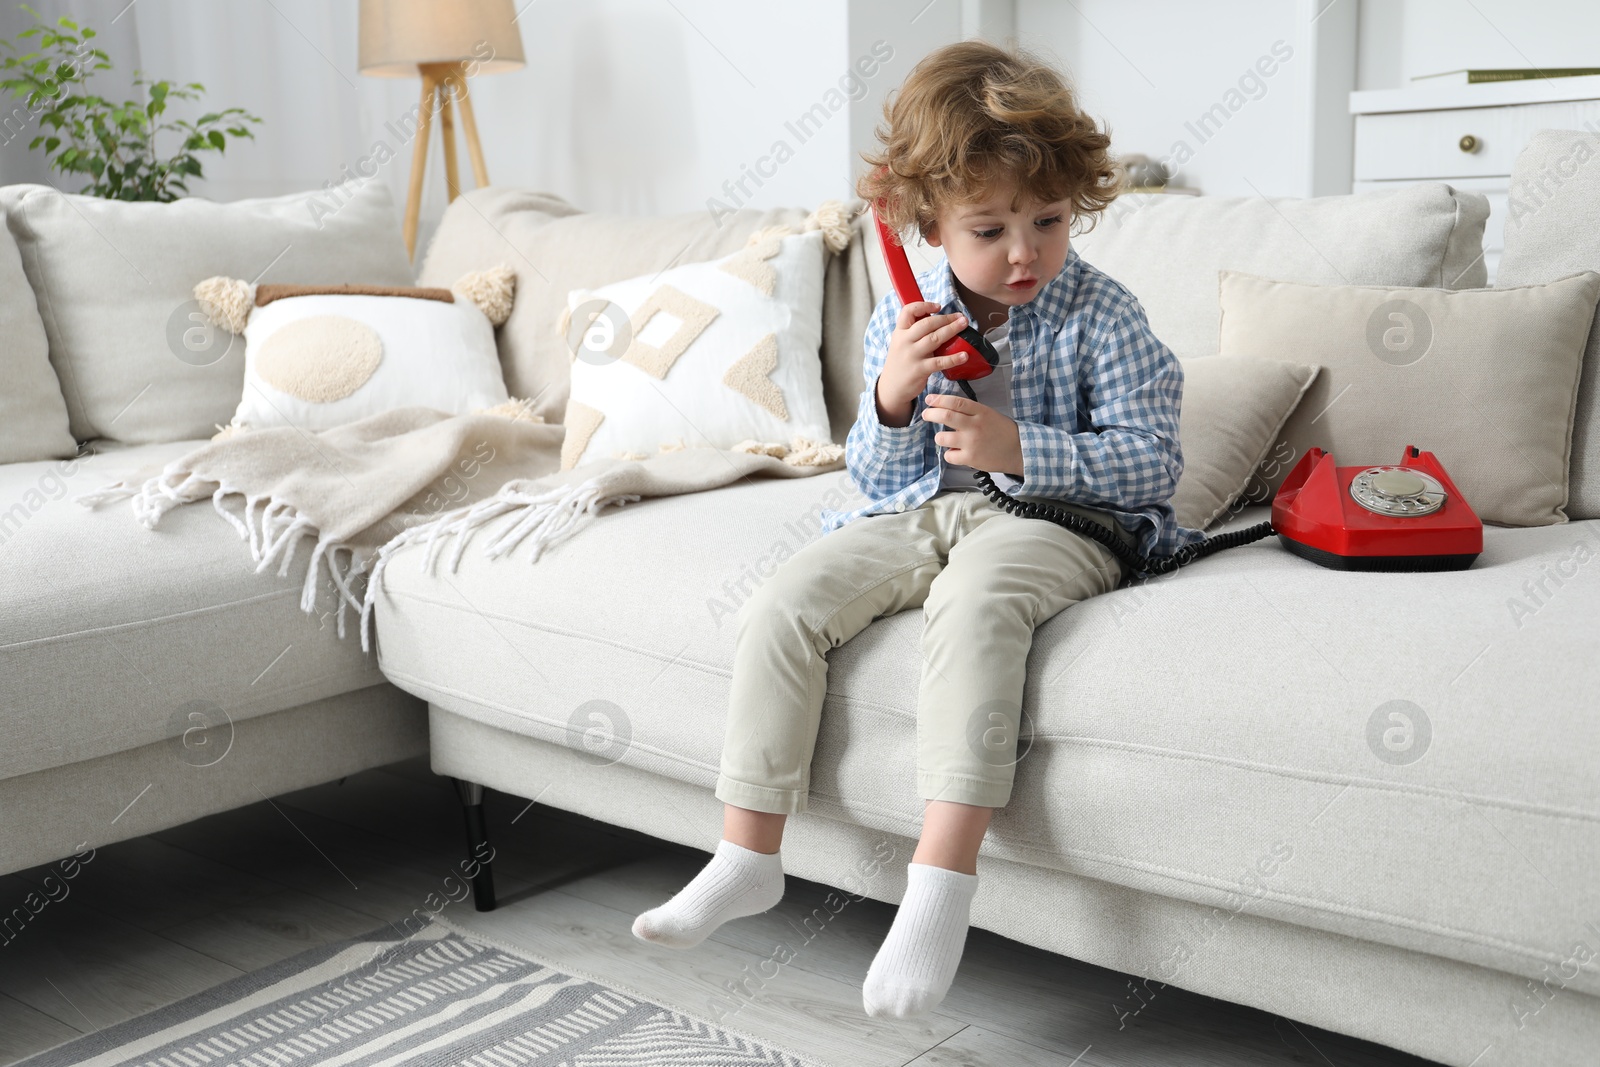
x,y
931,236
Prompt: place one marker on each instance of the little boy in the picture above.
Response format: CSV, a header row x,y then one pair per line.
x,y
987,153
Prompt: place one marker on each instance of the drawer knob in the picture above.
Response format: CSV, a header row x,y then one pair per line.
x,y
1468,143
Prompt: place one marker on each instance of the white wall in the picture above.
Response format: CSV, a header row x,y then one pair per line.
x,y
1151,70
905,30
646,107
1404,38
1241,97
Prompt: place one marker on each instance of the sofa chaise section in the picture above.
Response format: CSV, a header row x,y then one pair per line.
x,y
133,657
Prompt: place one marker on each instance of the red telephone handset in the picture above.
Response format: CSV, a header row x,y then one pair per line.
x,y
981,356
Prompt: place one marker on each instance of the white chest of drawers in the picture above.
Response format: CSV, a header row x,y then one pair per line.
x,y
1466,135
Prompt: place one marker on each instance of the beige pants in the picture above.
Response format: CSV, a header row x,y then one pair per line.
x,y
985,579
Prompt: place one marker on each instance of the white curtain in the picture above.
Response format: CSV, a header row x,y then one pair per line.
x,y
626,106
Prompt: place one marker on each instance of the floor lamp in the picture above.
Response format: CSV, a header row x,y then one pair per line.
x,y
445,41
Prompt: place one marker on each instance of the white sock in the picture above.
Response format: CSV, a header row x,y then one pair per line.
x,y
913,970
738,881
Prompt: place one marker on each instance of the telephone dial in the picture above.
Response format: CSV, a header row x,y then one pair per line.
x,y
1405,517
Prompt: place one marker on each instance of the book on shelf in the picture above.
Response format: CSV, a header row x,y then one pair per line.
x,y
1506,74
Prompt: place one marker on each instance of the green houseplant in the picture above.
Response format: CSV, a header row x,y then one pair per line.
x,y
113,144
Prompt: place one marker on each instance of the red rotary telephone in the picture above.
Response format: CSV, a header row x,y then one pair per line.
x,y
1408,517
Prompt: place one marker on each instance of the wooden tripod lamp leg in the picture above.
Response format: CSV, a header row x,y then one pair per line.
x,y
447,135
469,125
419,161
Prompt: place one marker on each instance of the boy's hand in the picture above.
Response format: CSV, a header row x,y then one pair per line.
x,y
978,436
918,333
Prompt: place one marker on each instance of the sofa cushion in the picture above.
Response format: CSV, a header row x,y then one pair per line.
x,y
556,247
112,634
1375,752
1232,412
1168,249
33,415
114,283
1484,378
1552,230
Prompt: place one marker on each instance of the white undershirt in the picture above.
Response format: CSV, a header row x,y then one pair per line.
x,y
993,390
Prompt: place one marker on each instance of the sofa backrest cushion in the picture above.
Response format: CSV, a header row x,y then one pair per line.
x,y
114,282
1552,230
1167,248
556,247
33,414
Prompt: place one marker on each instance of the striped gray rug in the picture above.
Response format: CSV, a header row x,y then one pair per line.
x,y
441,996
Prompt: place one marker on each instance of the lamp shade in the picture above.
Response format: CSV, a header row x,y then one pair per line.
x,y
398,35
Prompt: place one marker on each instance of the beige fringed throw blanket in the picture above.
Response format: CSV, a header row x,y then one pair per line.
x,y
372,486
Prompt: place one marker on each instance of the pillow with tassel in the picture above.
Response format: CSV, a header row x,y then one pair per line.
x,y
724,354
317,357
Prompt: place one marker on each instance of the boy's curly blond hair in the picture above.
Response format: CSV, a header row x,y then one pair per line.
x,y
971,116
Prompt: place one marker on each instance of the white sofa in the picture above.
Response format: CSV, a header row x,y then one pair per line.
x,y
1199,803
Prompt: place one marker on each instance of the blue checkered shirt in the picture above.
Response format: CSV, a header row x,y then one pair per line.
x,y
1094,393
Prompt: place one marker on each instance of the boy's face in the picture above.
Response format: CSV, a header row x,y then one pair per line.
x,y
990,246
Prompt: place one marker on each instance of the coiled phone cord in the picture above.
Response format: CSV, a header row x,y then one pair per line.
x,y
1138,566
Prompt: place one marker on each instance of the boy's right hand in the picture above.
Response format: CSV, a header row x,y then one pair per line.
x,y
910,362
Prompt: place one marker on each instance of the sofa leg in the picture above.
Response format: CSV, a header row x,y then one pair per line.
x,y
478,849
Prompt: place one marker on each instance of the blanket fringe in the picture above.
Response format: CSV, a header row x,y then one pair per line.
x,y
154,498
546,518
275,535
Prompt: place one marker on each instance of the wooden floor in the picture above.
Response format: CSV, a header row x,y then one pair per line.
x,y
155,919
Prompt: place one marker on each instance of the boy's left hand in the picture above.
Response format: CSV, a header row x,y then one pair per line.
x,y
978,436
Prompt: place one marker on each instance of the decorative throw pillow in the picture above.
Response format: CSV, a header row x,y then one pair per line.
x,y
1233,410
1484,378
722,354
317,357
555,247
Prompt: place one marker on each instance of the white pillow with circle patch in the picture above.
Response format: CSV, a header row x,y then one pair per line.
x,y
717,354
320,360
